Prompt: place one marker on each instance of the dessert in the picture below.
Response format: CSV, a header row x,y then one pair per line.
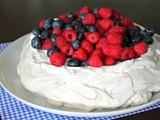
x,y
91,59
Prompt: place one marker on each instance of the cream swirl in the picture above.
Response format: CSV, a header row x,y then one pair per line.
x,y
126,83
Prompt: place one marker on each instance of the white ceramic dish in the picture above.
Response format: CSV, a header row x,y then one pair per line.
x,y
12,84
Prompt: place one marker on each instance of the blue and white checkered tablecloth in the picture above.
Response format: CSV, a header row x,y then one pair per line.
x,y
12,109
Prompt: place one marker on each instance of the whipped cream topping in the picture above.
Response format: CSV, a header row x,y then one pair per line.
x,y
126,83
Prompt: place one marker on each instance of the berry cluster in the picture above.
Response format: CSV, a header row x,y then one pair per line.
x,y
91,37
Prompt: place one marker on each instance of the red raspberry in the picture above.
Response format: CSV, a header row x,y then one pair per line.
x,y
126,22
64,18
140,48
98,52
127,54
68,50
86,34
87,45
57,31
70,35
117,29
41,23
115,38
95,61
99,28
58,59
105,12
80,54
116,14
102,42
60,42
94,37
47,44
113,51
85,10
77,13
106,24
89,19
136,27
109,61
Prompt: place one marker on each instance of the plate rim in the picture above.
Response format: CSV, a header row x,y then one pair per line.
x,y
73,113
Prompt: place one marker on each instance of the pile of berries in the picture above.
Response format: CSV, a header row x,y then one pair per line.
x,y
91,37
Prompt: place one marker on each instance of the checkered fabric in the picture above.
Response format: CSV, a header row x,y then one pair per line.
x,y
12,109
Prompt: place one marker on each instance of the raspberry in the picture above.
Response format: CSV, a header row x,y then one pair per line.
x,y
94,37
80,54
140,48
116,14
117,29
57,31
95,61
70,35
67,49
86,34
85,10
41,23
113,51
77,13
47,44
64,18
87,45
126,22
98,52
109,61
115,38
60,42
105,12
58,59
102,42
106,24
89,19
127,54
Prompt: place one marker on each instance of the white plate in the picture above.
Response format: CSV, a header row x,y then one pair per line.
x,y
12,84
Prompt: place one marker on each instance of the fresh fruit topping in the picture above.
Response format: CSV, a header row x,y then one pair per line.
x,y
91,37
58,59
80,54
73,62
140,48
89,19
47,44
36,42
94,37
115,38
113,51
105,12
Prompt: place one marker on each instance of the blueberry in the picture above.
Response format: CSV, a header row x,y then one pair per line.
x,y
37,31
48,23
70,15
81,16
91,28
45,34
135,40
142,34
52,50
149,31
57,24
85,63
76,44
72,62
132,33
148,40
68,26
95,10
36,42
81,29
53,39
80,36
126,41
77,23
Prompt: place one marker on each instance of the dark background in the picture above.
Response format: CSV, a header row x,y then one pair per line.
x,y
18,17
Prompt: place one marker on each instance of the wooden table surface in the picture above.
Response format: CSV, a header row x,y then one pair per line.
x,y
18,17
